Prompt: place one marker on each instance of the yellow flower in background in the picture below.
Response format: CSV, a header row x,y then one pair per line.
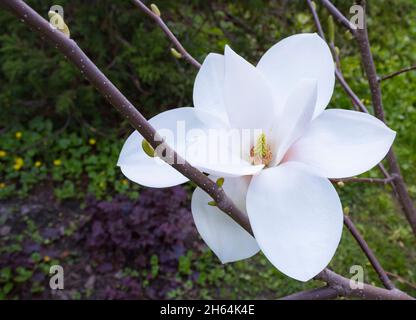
x,y
57,162
3,153
38,164
18,134
2,185
125,182
46,258
18,163
92,141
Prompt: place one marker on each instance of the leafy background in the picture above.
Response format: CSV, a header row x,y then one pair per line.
x,y
63,200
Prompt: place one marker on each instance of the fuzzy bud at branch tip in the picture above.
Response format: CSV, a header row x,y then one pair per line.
x,y
313,5
175,53
155,9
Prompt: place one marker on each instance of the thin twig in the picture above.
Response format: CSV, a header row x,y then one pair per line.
x,y
367,180
369,253
401,280
316,18
394,74
159,21
338,15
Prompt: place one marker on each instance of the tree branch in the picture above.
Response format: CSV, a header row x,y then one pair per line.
x,y
159,21
364,46
323,293
367,180
339,286
343,286
363,42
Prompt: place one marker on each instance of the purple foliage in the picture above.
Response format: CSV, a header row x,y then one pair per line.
x,y
113,246
125,233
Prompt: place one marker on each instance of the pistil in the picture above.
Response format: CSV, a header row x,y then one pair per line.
x,y
261,153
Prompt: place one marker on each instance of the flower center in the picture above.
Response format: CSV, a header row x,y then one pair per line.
x,y
261,153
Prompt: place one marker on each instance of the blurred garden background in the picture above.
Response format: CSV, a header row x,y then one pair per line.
x,y
64,201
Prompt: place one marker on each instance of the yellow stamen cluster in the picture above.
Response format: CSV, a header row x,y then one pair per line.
x,y
261,153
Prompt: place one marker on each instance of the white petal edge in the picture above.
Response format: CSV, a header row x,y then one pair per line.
x,y
228,240
247,94
343,143
208,92
300,56
296,217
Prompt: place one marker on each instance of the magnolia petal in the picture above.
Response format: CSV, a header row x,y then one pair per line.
x,y
138,167
220,152
296,217
343,143
296,117
228,240
300,56
209,92
248,96
172,125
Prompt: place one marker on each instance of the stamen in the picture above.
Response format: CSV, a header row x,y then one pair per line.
x,y
261,153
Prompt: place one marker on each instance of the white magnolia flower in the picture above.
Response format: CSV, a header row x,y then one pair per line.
x,y
281,182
